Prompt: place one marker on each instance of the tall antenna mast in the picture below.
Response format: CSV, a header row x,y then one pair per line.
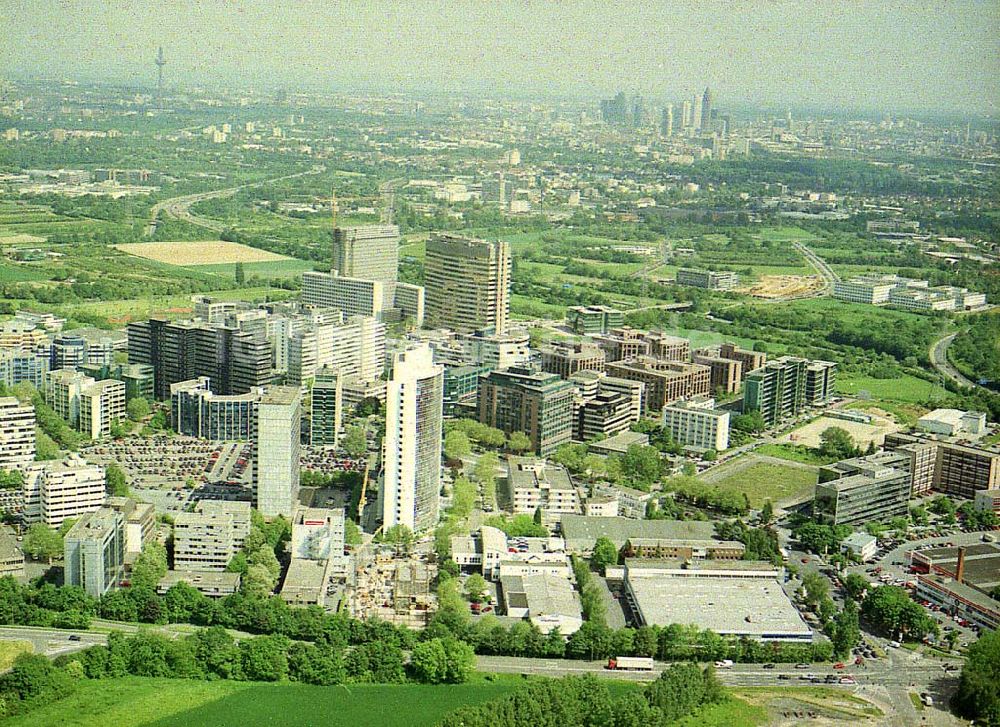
x,y
160,63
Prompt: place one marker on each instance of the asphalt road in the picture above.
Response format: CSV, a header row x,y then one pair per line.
x,y
939,359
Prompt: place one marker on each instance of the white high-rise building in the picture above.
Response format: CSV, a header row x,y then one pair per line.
x,y
354,348
686,115
412,457
696,106
370,252
102,403
17,433
276,451
55,491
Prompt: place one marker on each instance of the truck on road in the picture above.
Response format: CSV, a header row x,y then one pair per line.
x,y
630,663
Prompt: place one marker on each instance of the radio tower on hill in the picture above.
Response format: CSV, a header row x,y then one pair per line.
x,y
160,63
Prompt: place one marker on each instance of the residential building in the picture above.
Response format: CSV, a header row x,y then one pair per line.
x,y
64,489
864,489
327,408
17,433
785,387
697,423
594,319
102,404
62,392
208,538
411,473
94,552
370,252
666,381
140,520
536,403
751,360
468,283
565,359
532,485
710,279
726,374
23,364
277,434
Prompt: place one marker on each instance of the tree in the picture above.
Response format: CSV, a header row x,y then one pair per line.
x,y
150,566
817,587
355,442
890,609
485,473
641,465
456,445
767,513
264,658
752,422
518,442
42,541
846,631
114,480
475,587
836,442
429,662
258,582
137,408
855,584
605,554
461,660
978,695
710,455
399,535
239,274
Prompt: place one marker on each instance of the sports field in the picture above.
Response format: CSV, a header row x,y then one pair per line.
x,y
204,252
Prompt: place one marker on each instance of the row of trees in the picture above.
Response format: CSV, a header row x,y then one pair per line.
x,y
586,701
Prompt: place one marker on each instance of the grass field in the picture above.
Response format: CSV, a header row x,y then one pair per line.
x,y
10,650
905,414
793,454
205,252
731,713
907,389
135,702
284,268
762,481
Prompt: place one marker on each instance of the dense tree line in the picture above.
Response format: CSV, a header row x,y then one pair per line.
x,y
586,701
978,695
976,351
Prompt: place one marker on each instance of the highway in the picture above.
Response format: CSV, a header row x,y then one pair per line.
x,y
819,264
179,207
939,359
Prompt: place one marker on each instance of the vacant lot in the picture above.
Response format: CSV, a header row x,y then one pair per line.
x,y
761,480
134,701
904,388
782,286
862,434
206,252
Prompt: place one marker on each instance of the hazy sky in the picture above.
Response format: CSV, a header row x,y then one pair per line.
x,y
872,54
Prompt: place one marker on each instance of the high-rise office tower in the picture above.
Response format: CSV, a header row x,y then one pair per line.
x,y
370,252
17,433
706,110
411,475
536,403
686,115
667,125
467,284
326,412
696,112
638,111
276,451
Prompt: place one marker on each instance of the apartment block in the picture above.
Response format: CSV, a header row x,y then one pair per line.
x,y
532,484
17,433
666,381
208,538
327,408
698,424
102,404
565,359
594,319
958,469
726,374
62,392
94,552
536,403
751,360
784,387
57,491
23,364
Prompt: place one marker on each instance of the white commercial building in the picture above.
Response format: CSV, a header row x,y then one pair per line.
x,y
208,538
355,347
861,290
17,433
697,423
94,552
532,484
411,476
55,491
952,422
370,252
318,533
497,351
276,444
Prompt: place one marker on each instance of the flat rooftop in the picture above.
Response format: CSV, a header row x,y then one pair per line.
x,y
982,563
756,608
583,530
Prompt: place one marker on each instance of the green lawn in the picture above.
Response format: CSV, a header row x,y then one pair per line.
x,y
11,272
792,453
274,269
731,713
135,702
906,388
763,481
10,650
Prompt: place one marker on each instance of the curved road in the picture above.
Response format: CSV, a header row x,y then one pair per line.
x,y
819,264
939,359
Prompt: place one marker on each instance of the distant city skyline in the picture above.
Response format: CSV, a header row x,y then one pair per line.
x,y
859,55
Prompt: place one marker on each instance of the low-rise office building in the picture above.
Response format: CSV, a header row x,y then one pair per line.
x,y
140,520
208,538
591,319
11,557
708,279
533,484
666,381
214,584
565,359
698,424
863,489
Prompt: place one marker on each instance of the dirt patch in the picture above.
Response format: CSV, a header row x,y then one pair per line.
x,y
206,252
783,286
862,434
